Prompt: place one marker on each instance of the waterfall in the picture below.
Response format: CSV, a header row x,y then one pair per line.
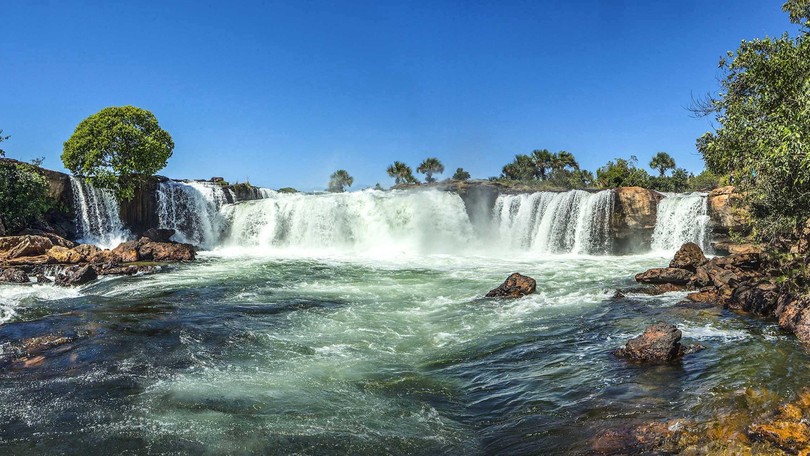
x,y
681,218
97,215
369,221
548,222
192,209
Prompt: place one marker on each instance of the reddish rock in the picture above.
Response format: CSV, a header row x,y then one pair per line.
x,y
689,256
515,286
708,294
659,343
665,275
12,247
127,251
76,275
165,251
64,255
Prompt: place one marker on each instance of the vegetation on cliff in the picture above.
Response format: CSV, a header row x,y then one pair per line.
x,y
763,116
339,180
117,147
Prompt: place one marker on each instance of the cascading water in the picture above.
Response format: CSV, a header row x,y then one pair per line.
x,y
681,218
192,209
97,215
570,222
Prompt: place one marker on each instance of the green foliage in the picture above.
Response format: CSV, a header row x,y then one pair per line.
x,y
763,139
401,173
541,165
521,169
116,147
622,173
339,180
429,167
23,195
705,181
798,11
662,162
3,138
461,175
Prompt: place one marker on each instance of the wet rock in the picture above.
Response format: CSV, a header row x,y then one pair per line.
x,y
53,237
129,269
159,234
165,251
42,279
515,286
658,344
689,256
12,275
64,255
708,295
88,252
12,247
665,275
28,261
127,252
759,299
700,279
76,275
654,437
792,436
723,277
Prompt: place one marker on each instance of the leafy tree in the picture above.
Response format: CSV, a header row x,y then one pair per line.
x,y
3,138
763,135
704,182
622,173
542,163
662,162
429,167
523,168
23,195
117,147
401,173
461,175
339,180
562,161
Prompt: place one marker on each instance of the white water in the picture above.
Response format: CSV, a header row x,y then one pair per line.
x,y
546,222
97,215
681,218
192,209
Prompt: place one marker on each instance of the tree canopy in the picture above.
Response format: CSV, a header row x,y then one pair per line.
x,y
461,175
116,147
429,167
662,162
339,180
763,135
3,138
401,173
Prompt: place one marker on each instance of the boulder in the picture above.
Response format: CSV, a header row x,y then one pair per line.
x,y
515,286
726,211
689,256
708,295
633,220
674,276
659,343
700,279
88,252
760,299
53,237
12,275
12,247
165,251
159,234
64,255
76,275
127,252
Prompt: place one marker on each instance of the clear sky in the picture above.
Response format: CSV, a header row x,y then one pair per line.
x,y
284,93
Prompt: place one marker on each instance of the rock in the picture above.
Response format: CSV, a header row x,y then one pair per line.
x,y
760,299
64,255
129,269
633,219
708,294
54,238
165,251
88,252
740,260
792,436
665,275
42,279
723,277
127,252
515,286
28,261
659,343
76,275
12,247
726,211
700,279
12,275
689,256
159,234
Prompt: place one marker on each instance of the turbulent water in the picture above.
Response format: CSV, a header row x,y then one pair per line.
x,y
354,324
681,218
193,210
97,215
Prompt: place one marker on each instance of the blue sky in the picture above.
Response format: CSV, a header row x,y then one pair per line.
x,y
284,93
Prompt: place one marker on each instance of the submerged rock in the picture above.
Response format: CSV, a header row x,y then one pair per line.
x,y
76,275
515,286
660,343
12,275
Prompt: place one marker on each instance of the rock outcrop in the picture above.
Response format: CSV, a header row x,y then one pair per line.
x,y
76,275
633,220
515,286
689,257
726,211
659,343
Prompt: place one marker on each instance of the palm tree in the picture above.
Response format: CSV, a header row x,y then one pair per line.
x,y
429,167
562,160
542,163
339,180
523,168
662,162
401,173
461,175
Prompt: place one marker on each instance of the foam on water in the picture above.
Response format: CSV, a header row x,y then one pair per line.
x,y
97,215
681,218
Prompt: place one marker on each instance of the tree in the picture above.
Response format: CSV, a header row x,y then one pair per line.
x,y
117,147
763,135
401,173
542,163
429,167
461,175
563,161
523,168
662,162
23,195
3,138
339,180
622,173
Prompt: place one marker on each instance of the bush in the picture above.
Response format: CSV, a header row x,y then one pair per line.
x,y
23,195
